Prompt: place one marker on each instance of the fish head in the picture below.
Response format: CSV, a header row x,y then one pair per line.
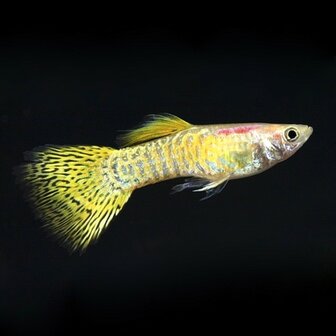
x,y
282,141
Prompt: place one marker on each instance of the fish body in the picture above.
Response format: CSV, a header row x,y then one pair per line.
x,y
77,190
209,152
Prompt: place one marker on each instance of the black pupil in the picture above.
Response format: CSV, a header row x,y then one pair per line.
x,y
292,134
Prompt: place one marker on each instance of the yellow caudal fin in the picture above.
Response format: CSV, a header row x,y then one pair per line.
x,y
157,126
72,191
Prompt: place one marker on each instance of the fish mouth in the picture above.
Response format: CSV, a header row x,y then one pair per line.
x,y
309,131
306,132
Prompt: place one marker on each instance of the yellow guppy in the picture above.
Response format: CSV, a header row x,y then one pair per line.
x,y
77,190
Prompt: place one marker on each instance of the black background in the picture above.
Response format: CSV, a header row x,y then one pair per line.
x,y
261,253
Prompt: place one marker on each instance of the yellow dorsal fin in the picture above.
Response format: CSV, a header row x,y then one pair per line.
x,y
156,126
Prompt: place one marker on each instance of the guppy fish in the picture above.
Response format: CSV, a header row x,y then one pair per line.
x,y
77,190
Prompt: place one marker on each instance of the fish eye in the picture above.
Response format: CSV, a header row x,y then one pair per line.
x,y
291,134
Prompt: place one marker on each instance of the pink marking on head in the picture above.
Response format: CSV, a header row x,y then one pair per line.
x,y
236,130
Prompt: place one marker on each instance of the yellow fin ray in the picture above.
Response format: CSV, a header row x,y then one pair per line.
x,y
157,126
72,192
